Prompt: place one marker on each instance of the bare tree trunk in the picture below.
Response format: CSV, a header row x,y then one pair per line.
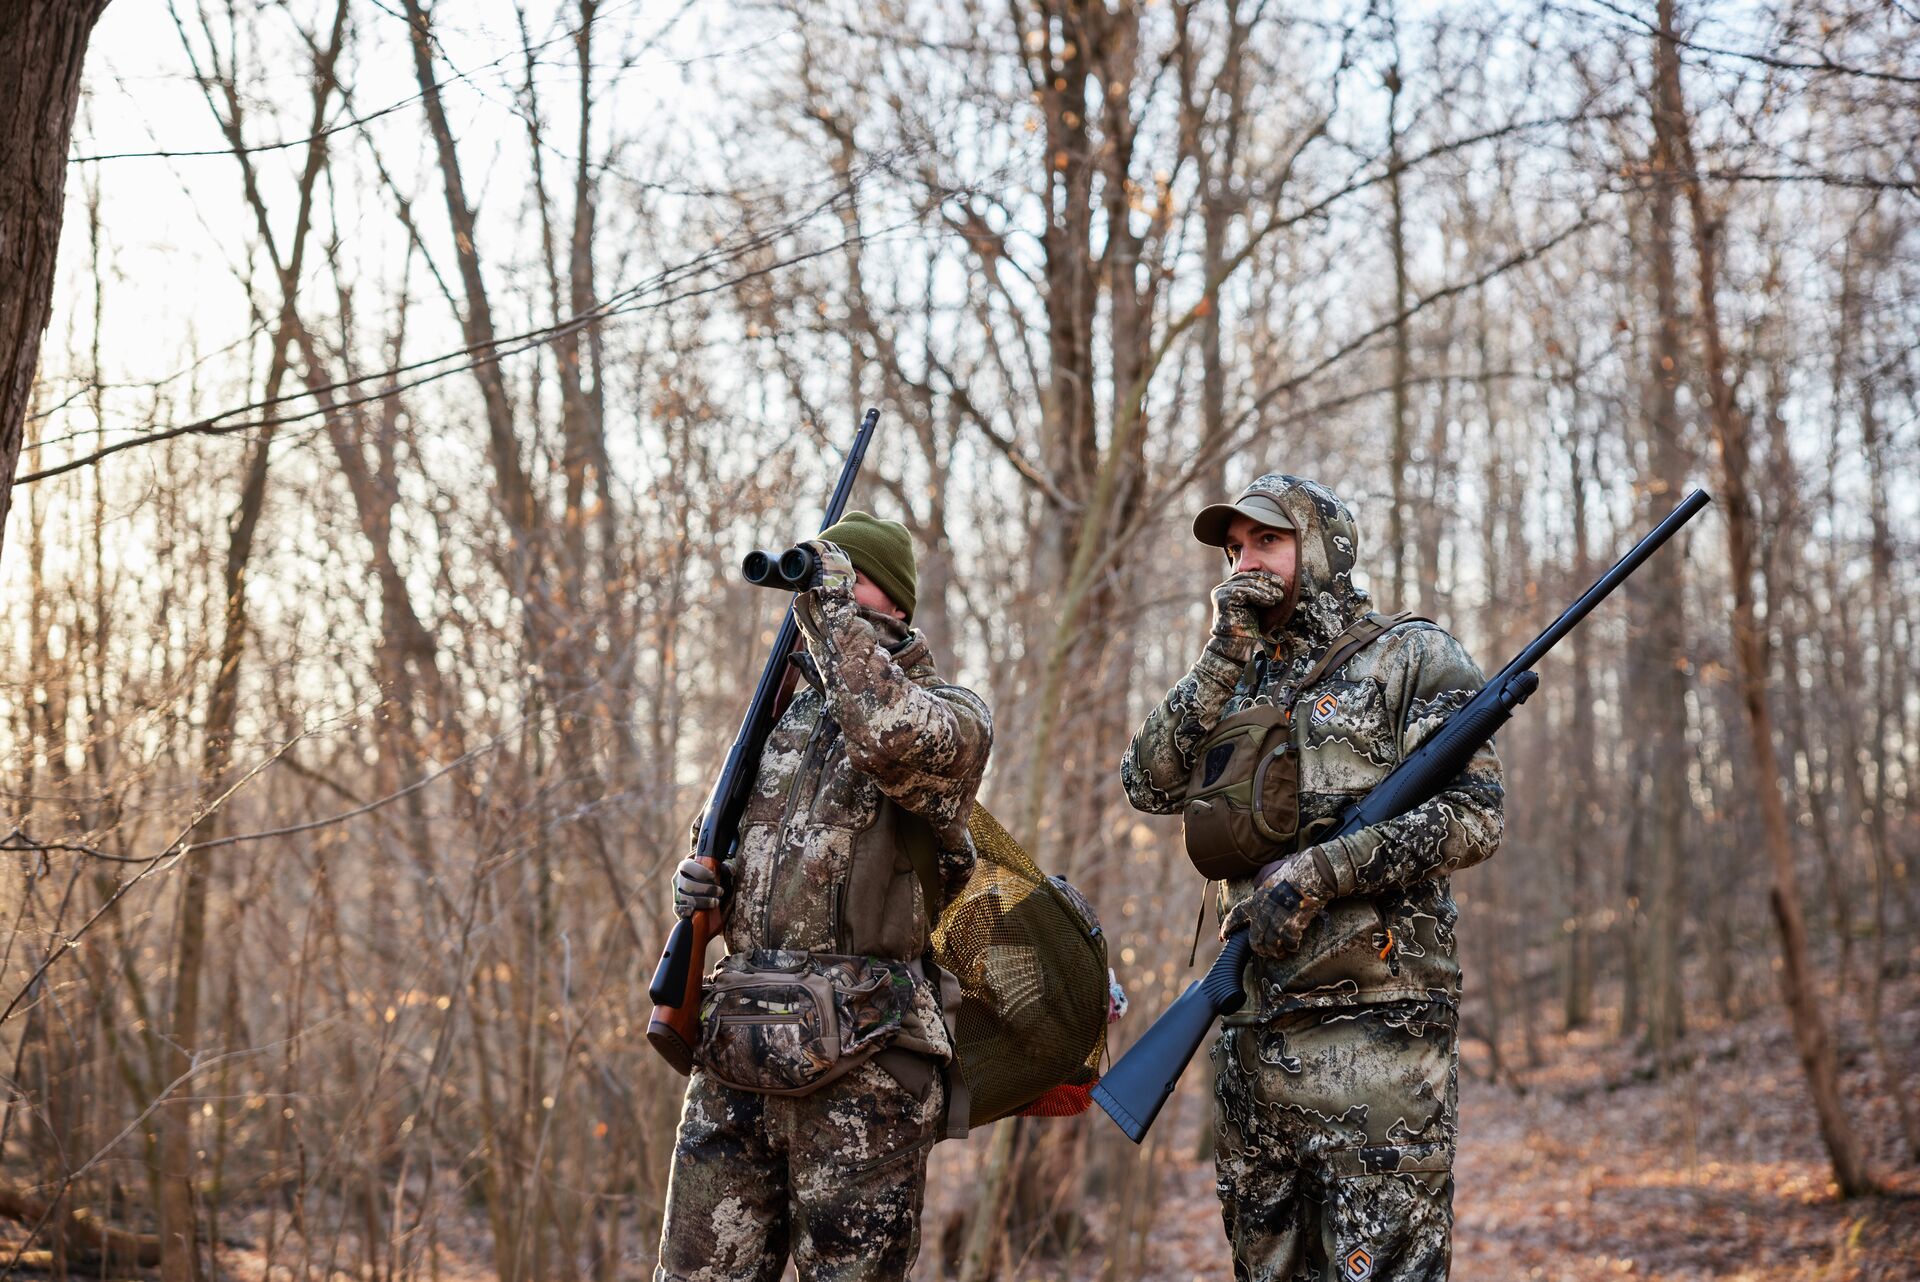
x,y
180,1256
513,488
1663,697
1730,430
1216,157
1399,451
180,1248
1887,870
1496,944
1579,976
42,46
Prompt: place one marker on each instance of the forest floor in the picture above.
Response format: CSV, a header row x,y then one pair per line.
x,y
1591,1166
1585,1165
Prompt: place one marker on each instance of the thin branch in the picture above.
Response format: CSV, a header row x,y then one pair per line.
x,y
1825,66
72,941
485,353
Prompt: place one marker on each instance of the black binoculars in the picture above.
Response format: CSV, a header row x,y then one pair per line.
x,y
794,570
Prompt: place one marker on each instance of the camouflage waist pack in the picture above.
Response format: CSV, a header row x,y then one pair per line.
x,y
786,1023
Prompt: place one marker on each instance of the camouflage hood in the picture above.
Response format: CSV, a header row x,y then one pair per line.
x,y
1325,598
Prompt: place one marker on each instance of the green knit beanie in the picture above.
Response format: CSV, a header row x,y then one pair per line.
x,y
881,550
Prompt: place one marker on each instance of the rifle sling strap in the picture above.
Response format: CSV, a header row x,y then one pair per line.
x,y
916,834
1358,635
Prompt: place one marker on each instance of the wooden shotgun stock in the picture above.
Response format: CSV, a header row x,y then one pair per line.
x,y
674,1030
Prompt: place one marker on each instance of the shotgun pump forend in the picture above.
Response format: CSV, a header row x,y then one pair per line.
x,y
1140,1081
795,570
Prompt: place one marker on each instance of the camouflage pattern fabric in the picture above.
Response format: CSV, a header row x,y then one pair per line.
x,y
1334,1144
778,1021
1387,934
924,743
1334,1114
873,721
835,1177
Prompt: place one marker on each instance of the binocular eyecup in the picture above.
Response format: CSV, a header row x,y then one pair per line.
x,y
794,570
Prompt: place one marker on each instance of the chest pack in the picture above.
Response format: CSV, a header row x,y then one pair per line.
x,y
1019,960
1022,966
1243,797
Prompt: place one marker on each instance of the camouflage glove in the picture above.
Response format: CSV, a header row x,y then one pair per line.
x,y
697,887
1237,604
1281,908
836,571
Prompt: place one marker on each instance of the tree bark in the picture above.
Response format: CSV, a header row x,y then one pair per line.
x,y
179,1219
42,46
1812,1038
1399,454
1663,696
1579,977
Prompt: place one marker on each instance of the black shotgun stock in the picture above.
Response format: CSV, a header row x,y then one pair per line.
x,y
1138,1084
673,1029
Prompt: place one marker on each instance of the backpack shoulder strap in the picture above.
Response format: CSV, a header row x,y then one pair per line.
x,y
916,834
1359,634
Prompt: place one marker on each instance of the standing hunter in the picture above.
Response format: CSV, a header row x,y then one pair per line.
x,y
1335,1095
791,1139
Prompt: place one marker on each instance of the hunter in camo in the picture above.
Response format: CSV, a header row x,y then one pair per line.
x,y
1335,1087
835,1177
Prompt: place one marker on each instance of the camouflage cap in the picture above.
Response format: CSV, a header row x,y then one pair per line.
x,y
1210,527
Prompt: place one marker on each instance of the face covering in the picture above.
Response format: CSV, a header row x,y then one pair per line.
x,y
891,632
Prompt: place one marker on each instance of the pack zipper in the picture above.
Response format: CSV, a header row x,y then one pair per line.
x,y
750,1017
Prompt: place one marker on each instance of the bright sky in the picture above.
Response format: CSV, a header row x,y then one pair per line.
x,y
176,228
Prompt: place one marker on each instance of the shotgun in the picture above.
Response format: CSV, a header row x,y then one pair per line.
x,y
674,1027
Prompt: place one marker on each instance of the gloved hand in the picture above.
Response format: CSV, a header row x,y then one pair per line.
x,y
836,571
1237,605
697,887
1281,908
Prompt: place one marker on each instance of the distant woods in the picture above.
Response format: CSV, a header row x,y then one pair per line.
x,y
374,621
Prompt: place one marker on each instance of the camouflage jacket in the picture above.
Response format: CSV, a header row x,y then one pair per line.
x,y
872,722
1386,701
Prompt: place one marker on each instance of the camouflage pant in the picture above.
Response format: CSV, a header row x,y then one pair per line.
x,y
1334,1135
837,1175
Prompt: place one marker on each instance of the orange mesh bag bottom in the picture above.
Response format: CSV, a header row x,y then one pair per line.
x,y
1062,1101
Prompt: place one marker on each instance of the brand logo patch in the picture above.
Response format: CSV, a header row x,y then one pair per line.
x,y
1359,1264
1216,764
1323,707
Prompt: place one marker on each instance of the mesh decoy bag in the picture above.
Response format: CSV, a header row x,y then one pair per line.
x,y
1032,965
